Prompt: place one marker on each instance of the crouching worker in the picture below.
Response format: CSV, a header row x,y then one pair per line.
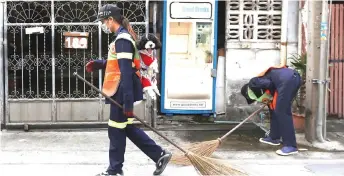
x,y
280,85
122,83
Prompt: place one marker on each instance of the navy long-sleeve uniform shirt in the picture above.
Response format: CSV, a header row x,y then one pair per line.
x,y
273,80
277,79
130,88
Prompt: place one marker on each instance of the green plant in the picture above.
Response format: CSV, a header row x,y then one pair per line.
x,y
299,62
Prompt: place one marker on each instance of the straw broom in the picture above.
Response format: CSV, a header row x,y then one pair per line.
x,y
207,148
203,165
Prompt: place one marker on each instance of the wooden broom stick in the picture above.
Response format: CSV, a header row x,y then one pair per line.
x,y
139,119
241,123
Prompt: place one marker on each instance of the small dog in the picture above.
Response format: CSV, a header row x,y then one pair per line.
x,y
150,42
149,64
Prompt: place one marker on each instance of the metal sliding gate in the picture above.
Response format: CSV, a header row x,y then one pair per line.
x,y
336,59
39,86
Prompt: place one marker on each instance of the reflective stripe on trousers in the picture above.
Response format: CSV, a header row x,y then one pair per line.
x,y
120,125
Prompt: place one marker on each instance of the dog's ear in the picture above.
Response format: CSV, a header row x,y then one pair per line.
x,y
140,44
155,40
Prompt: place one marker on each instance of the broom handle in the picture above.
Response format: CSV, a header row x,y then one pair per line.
x,y
232,130
114,102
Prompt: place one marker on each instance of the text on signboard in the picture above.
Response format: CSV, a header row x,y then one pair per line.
x,y
196,9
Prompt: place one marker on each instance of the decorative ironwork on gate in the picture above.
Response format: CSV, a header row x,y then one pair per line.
x,y
39,67
254,20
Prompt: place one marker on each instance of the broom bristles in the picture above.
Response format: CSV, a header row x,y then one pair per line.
x,y
206,148
208,166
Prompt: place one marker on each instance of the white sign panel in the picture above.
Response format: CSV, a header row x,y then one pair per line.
x,y
76,42
34,30
191,10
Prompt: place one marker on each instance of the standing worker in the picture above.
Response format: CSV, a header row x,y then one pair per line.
x,y
122,83
283,83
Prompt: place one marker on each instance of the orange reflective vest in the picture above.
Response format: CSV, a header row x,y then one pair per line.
x,y
272,104
112,72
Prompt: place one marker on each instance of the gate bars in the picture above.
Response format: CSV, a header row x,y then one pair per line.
x,y
336,60
26,55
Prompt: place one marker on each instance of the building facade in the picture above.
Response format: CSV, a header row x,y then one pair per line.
x,y
37,82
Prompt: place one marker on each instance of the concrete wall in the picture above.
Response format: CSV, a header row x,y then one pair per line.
x,y
242,64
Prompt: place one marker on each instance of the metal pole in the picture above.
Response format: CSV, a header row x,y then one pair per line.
x,y
155,11
149,103
22,60
53,59
100,77
37,66
313,50
154,102
2,58
6,107
284,37
299,47
327,71
322,83
147,17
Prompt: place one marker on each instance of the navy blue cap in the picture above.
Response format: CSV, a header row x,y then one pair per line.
x,y
109,10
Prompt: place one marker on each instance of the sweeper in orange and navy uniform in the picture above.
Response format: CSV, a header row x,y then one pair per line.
x,y
122,83
279,86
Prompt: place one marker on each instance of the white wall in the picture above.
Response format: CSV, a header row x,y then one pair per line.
x,y
243,63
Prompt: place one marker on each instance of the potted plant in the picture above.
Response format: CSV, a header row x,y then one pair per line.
x,y
299,63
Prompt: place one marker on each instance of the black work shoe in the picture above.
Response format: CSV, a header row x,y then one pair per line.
x,y
162,162
107,174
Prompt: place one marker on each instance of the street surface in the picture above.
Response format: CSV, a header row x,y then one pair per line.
x,y
68,153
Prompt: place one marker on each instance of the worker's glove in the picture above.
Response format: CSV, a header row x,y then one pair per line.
x,y
129,113
94,65
89,66
128,104
266,101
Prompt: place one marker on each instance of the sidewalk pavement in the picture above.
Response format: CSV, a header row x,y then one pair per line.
x,y
85,153
334,137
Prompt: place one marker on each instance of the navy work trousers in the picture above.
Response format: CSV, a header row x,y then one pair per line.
x,y
118,142
281,124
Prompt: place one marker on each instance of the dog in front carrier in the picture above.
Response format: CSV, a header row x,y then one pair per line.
x,y
149,64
